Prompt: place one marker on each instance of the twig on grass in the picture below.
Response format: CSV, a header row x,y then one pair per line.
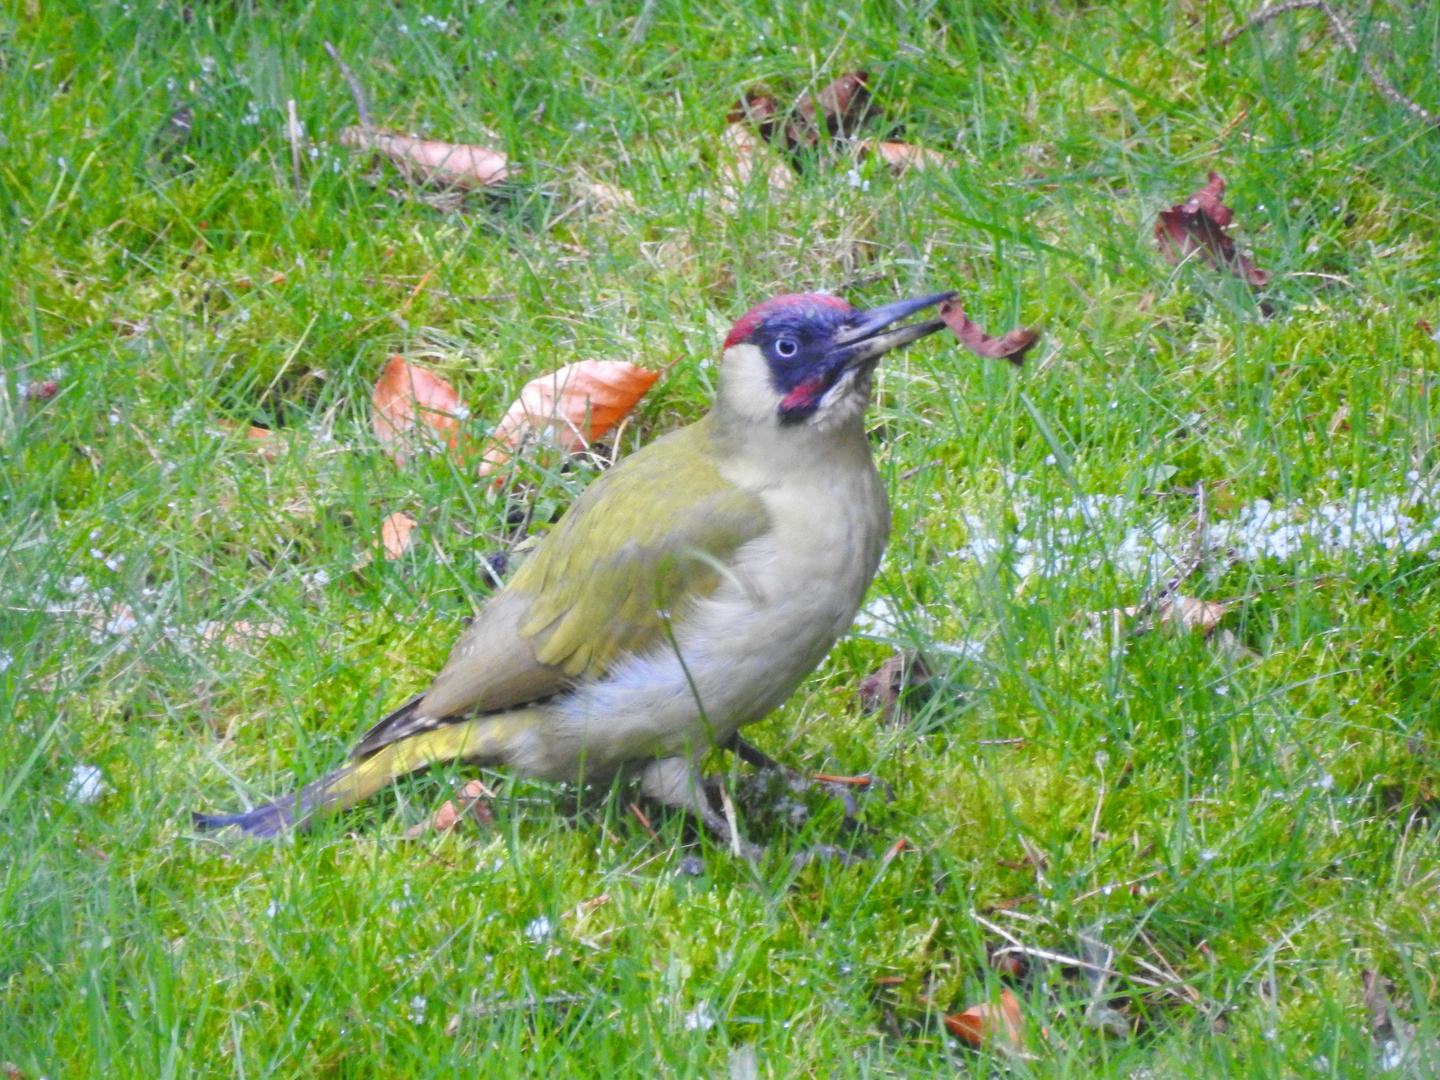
x,y
362,110
1192,565
294,126
1346,33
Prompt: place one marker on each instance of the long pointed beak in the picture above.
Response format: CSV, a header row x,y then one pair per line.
x,y
861,342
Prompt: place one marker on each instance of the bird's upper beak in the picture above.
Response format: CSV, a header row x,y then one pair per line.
x,y
860,342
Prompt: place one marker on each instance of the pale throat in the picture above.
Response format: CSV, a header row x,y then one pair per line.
x,y
747,393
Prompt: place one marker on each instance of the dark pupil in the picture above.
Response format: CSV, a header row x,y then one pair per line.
x,y
786,347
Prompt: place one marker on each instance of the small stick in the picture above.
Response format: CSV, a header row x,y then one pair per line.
x,y
1264,15
644,821
294,143
853,781
1194,563
1346,33
357,92
733,820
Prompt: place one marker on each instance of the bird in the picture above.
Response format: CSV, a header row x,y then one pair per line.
x,y
683,595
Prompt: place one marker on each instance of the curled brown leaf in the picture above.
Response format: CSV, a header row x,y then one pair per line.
x,y
1184,613
1011,346
840,106
1198,226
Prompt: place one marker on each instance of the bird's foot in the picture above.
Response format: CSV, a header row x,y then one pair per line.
x,y
844,788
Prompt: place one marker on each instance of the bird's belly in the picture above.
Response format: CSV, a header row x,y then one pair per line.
x,y
736,655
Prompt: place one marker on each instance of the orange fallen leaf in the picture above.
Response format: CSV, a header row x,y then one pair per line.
x,y
985,1024
1011,346
395,534
408,398
470,800
574,406
430,161
262,440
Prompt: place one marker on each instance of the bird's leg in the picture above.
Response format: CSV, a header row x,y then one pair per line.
x,y
676,782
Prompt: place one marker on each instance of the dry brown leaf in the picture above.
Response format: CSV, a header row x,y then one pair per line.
x,y
900,157
410,401
395,533
574,406
585,907
1392,1034
757,110
842,103
41,390
602,196
262,441
471,800
839,108
1225,644
884,687
1011,346
1184,613
430,161
1198,225
742,155
987,1024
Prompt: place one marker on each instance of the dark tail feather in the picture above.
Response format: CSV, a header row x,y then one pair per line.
x,y
296,810
400,723
268,820
292,811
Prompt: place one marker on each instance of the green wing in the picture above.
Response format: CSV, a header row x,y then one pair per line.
x,y
641,544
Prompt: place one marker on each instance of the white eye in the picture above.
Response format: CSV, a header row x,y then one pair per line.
x,y
786,347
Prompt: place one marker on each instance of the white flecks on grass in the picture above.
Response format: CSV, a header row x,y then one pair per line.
x,y
539,928
701,1018
417,1009
87,785
1114,531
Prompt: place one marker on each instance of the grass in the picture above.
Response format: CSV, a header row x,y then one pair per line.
x,y
1252,824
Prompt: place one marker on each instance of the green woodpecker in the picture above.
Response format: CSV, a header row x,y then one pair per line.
x,y
685,594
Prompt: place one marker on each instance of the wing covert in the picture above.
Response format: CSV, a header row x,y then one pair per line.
x,y
644,541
